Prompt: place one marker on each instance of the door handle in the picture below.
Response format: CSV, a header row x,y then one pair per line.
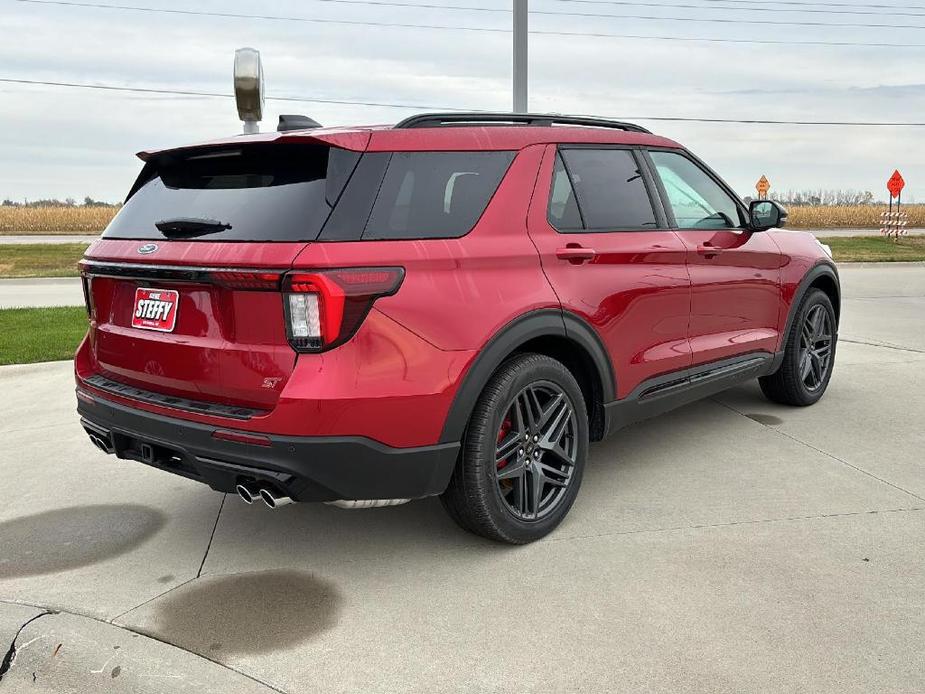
x,y
708,250
576,254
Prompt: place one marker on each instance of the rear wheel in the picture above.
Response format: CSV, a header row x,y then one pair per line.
x,y
523,454
809,354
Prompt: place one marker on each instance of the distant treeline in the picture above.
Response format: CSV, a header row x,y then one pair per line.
x,y
825,198
54,202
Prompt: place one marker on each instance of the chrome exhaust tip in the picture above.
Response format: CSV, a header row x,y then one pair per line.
x,y
100,442
247,493
272,500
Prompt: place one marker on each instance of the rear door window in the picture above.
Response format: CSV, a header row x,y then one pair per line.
x,y
272,192
435,194
608,187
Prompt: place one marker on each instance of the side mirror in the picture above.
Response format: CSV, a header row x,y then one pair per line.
x,y
766,214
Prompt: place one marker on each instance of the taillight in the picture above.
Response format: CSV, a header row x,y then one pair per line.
x,y
324,308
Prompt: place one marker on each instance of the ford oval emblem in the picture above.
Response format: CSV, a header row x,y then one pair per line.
x,y
148,248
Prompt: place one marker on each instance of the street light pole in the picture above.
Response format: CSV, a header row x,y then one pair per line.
x,y
520,56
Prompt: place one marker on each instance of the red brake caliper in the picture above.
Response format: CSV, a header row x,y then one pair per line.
x,y
502,433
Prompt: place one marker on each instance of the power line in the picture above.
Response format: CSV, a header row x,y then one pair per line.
x,y
190,92
635,3
747,121
797,3
422,107
403,25
701,39
720,8
551,13
726,20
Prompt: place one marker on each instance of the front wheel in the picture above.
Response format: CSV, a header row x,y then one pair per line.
x,y
523,454
809,354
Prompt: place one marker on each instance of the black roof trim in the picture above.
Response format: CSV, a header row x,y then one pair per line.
x,y
436,120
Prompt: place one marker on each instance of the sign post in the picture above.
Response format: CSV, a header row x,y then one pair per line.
x,y
763,186
893,222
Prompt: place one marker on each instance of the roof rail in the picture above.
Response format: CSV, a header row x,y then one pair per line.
x,y
436,120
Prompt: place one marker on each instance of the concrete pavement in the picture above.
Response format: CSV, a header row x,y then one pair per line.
x,y
41,291
48,238
731,546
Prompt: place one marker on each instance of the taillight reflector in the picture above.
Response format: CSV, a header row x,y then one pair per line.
x,y
241,437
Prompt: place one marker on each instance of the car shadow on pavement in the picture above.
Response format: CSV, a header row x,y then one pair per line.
x,y
71,537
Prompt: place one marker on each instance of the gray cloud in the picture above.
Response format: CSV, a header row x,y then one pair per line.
x,y
69,142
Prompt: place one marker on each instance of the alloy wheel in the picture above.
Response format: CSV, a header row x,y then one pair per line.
x,y
815,348
536,451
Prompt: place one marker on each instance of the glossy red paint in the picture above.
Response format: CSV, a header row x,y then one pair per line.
x,y
800,253
635,291
660,301
217,351
386,384
735,292
457,293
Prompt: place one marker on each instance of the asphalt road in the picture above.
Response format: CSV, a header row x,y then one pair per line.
x,y
731,546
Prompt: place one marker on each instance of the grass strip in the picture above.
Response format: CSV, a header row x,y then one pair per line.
x,y
40,259
880,249
29,335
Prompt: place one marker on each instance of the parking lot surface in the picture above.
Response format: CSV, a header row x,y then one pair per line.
x,y
731,546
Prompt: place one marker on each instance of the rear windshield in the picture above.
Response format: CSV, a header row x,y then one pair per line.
x,y
255,193
281,192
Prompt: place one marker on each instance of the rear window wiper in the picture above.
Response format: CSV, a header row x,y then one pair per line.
x,y
190,226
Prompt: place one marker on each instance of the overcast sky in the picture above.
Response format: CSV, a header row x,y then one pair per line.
x,y
66,142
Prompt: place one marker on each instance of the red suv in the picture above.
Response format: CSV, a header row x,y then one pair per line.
x,y
455,306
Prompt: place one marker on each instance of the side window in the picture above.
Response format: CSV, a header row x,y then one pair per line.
x,y
610,191
563,208
430,195
698,202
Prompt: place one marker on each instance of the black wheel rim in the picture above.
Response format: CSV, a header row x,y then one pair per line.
x,y
536,451
815,348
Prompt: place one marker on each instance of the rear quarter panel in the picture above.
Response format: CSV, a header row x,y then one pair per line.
x,y
457,293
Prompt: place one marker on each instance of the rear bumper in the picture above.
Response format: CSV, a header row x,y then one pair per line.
x,y
304,468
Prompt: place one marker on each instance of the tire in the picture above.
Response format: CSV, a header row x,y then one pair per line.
x,y
800,382
492,490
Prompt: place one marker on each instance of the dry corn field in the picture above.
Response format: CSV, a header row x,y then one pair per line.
x,y
46,220
850,217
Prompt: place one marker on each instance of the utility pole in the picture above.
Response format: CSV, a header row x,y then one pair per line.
x,y
520,56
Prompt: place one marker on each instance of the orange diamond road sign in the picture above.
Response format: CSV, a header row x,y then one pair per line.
x,y
763,185
896,184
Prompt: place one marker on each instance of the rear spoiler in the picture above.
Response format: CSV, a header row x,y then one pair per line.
x,y
352,139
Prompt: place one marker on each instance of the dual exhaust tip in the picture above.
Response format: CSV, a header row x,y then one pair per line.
x,y
104,443
250,493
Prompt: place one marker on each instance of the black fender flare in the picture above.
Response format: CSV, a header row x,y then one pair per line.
x,y
539,323
820,269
